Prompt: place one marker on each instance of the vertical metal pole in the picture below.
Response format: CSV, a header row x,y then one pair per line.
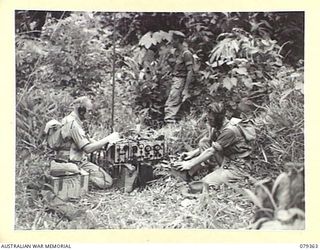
x,y
113,70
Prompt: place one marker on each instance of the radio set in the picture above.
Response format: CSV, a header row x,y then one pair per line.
x,y
131,151
128,155
136,151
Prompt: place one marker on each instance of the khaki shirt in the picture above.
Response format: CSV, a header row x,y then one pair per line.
x,y
184,58
75,136
229,141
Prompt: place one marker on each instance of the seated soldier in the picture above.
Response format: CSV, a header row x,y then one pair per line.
x,y
78,143
225,144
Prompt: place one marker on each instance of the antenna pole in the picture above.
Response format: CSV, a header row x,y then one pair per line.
x,y
113,70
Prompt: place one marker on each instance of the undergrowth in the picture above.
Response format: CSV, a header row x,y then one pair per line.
x,y
162,204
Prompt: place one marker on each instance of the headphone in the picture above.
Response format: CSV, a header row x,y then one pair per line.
x,y
81,105
82,111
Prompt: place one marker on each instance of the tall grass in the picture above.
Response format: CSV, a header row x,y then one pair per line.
x,y
280,125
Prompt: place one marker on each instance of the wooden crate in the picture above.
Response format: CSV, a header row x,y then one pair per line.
x,y
70,186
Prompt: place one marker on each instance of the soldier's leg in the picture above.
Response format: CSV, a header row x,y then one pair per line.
x,y
174,100
220,176
196,169
98,176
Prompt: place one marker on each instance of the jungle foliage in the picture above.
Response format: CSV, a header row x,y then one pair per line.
x,y
252,61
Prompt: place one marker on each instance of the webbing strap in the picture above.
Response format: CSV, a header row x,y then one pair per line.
x,y
236,130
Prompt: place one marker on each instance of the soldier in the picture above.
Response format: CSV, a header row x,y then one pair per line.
x,y
182,77
77,143
224,144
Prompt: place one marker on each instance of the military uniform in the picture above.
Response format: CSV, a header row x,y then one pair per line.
x,y
231,151
180,71
72,151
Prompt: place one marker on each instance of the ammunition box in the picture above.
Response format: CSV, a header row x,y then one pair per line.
x,y
70,186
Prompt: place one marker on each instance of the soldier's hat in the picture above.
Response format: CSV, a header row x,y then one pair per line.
x,y
176,33
83,101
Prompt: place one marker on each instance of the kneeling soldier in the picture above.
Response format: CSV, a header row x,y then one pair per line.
x,y
77,143
225,144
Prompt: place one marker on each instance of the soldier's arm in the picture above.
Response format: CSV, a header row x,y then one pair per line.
x,y
190,154
188,60
95,145
189,76
88,146
227,137
205,155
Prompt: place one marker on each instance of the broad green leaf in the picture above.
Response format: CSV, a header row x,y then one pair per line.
x,y
299,224
165,35
146,40
229,82
255,199
257,224
277,225
297,188
266,194
271,225
287,215
281,191
241,71
159,36
216,63
213,88
284,215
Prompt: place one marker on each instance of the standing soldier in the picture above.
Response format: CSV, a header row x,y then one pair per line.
x,y
182,77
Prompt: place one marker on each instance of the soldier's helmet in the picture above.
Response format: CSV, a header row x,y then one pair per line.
x,y
176,33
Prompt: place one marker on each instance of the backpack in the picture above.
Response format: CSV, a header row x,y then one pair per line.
x,y
196,61
245,128
53,130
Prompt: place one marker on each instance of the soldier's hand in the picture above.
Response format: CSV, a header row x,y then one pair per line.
x,y
183,165
185,156
185,95
114,137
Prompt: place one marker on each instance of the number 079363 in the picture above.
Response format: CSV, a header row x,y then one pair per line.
x,y
309,246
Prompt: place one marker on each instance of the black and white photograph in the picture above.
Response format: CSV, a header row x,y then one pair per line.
x,y
159,120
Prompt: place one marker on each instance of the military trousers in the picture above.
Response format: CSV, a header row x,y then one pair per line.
x,y
97,176
230,171
174,101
